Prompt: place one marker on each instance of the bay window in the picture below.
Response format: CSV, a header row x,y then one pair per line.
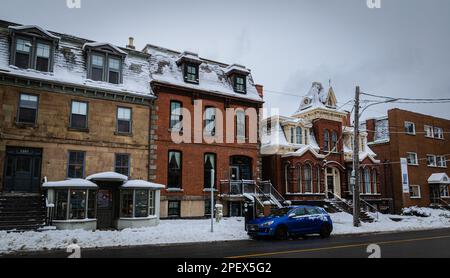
x,y
75,204
137,203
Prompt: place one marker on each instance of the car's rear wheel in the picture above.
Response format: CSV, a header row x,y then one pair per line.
x,y
325,231
281,233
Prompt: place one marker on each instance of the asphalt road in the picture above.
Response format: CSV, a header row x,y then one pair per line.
x,y
417,244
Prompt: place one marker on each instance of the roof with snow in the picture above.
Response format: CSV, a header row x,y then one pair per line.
x,y
70,65
72,183
142,184
107,176
213,78
317,97
439,178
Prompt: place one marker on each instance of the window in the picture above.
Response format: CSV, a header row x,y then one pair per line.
x,y
126,199
123,120
374,181
209,164
76,165
97,67
367,183
239,84
412,159
308,178
174,209
334,141
210,121
299,179
410,128
174,172
240,124
28,106
141,203
438,133
431,160
414,192
42,57
307,132
429,131
299,135
78,117
137,203
326,140
318,180
75,204
444,190
122,164
113,70
191,73
208,207
441,161
292,135
23,53
269,126
176,116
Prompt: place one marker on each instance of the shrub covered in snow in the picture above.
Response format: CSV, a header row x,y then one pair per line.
x,y
415,211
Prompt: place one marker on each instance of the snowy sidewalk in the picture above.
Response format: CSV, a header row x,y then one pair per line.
x,y
183,231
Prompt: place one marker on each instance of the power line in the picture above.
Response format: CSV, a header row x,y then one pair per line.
x,y
398,162
410,99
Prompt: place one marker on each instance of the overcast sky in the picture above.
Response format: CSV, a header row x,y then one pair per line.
x,y
401,49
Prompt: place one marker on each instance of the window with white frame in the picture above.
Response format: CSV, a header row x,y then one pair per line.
x,y
28,106
429,131
431,160
414,192
240,124
367,182
307,169
79,115
123,120
210,121
438,133
441,161
444,190
292,135
137,203
75,204
374,181
412,159
410,128
299,135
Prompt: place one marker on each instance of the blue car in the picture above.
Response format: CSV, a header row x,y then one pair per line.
x,y
292,221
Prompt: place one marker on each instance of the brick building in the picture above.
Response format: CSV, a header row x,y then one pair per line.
x,y
72,108
308,156
203,90
422,140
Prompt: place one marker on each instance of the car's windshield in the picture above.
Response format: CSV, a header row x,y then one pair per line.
x,y
280,212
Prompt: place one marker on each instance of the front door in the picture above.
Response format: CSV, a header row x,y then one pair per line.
x,y
235,209
235,185
435,194
22,170
330,184
105,209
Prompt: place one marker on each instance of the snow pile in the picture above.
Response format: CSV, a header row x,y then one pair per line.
x,y
169,231
415,211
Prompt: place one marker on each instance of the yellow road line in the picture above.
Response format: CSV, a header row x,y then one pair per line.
x,y
335,247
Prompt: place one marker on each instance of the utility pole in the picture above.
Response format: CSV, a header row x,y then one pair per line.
x,y
212,200
355,173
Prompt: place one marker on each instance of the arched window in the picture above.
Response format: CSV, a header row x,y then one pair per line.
x,y
299,179
326,140
374,181
287,178
318,180
367,183
334,141
299,135
308,178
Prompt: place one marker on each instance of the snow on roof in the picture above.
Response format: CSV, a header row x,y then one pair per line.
x,y
237,68
142,184
440,178
107,176
25,27
70,68
70,184
316,97
189,56
98,44
271,142
301,151
164,69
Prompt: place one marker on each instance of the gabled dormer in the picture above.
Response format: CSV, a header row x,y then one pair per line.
x,y
32,48
190,63
238,77
104,62
331,101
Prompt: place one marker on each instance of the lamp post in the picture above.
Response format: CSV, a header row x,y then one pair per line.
x,y
212,200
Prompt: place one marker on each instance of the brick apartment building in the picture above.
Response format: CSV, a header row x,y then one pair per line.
x,y
308,156
185,81
423,141
72,108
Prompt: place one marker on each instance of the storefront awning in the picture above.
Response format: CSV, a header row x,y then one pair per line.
x,y
439,178
107,176
142,184
73,183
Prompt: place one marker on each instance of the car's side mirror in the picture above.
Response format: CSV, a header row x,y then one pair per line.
x,y
291,215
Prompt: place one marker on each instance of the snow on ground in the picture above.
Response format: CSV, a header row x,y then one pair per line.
x,y
182,231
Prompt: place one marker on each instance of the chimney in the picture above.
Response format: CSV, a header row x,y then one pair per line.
x,y
131,43
347,120
260,89
370,126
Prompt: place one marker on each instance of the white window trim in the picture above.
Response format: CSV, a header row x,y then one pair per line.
x,y
420,192
432,131
416,159
435,160
414,128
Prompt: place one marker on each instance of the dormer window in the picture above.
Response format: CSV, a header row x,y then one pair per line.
x,y
238,76
239,83
32,48
191,73
105,62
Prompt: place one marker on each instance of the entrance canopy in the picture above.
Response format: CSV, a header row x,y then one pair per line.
x,y
73,183
107,176
142,184
439,178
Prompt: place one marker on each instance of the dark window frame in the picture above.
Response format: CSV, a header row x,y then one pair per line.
x,y
49,55
326,140
213,132
178,214
106,69
186,65
204,170
87,116
180,185
36,112
244,84
130,121
128,163
83,164
170,113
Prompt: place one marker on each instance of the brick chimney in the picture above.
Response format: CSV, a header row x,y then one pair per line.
x,y
370,126
260,89
131,43
346,121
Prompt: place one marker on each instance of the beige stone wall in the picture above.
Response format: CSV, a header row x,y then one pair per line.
x,y
192,208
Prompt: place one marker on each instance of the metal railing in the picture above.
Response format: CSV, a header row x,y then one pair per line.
x,y
267,188
370,206
49,214
238,187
